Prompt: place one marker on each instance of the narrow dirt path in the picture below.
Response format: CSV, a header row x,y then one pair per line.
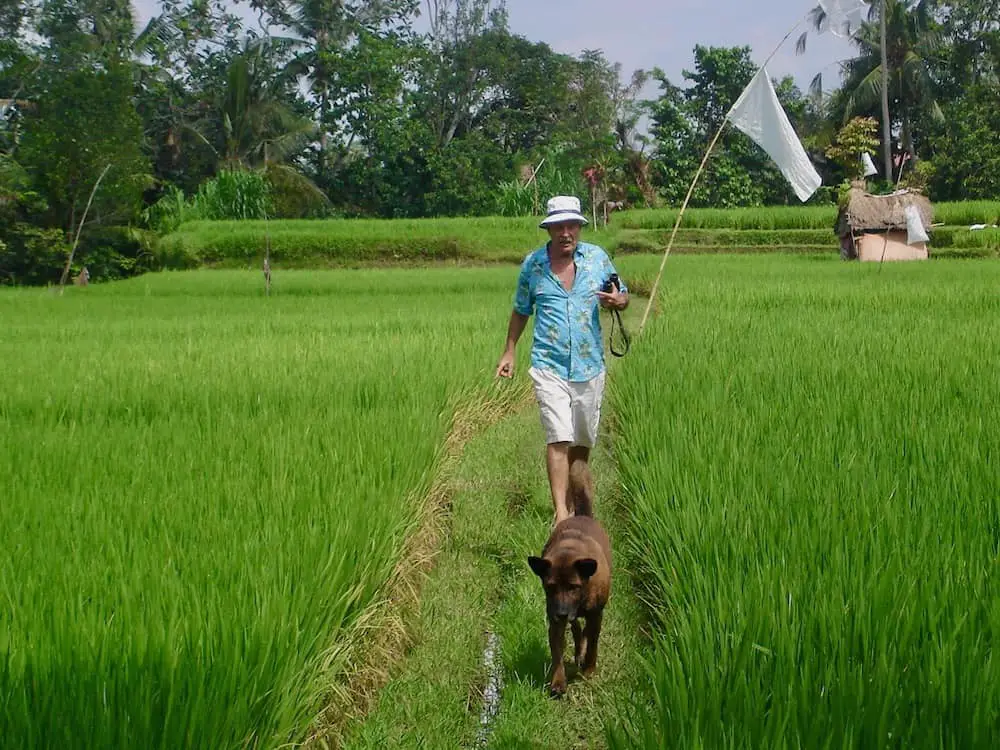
x,y
481,605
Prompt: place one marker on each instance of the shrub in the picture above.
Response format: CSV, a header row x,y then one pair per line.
x,y
32,255
234,194
114,253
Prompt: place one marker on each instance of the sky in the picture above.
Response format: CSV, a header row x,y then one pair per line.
x,y
649,33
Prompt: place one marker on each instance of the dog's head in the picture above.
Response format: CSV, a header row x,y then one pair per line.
x,y
565,582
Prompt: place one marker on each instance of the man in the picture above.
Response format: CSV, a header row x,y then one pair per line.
x,y
561,283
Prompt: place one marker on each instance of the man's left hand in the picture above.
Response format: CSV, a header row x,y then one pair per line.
x,y
617,300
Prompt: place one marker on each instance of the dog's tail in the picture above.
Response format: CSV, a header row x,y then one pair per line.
x,y
581,489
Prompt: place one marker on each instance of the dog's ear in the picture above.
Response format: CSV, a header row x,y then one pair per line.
x,y
586,567
540,566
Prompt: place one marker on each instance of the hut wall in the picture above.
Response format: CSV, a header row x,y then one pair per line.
x,y
871,247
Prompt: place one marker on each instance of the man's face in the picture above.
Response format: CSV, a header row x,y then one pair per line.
x,y
564,236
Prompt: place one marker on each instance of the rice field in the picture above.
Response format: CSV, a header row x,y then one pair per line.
x,y
346,242
353,242
958,213
809,451
203,489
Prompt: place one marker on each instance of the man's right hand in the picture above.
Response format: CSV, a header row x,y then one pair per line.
x,y
505,368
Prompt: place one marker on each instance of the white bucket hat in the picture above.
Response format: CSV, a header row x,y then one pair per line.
x,y
563,208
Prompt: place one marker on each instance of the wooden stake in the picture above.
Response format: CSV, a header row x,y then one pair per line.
x,y
76,240
267,238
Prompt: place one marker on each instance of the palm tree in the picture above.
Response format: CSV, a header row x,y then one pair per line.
x,y
322,29
893,64
251,123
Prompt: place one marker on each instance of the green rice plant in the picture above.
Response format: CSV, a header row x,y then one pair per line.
x,y
967,213
728,237
964,238
340,242
964,213
768,218
205,489
808,454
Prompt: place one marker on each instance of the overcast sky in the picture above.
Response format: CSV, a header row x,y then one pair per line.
x,y
648,33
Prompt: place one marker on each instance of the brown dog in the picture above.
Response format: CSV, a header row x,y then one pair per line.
x,y
575,570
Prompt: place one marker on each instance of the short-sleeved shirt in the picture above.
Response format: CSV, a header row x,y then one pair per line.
x,y
567,337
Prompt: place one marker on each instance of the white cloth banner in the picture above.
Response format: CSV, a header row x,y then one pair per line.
x,y
759,114
843,18
868,164
915,231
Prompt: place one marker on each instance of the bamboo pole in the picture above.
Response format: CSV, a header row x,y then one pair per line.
x,y
677,223
694,181
76,240
267,237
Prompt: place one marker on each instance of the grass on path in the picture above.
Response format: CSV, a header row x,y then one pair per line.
x,y
482,585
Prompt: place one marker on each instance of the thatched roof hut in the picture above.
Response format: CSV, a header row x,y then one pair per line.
x,y
878,213
885,217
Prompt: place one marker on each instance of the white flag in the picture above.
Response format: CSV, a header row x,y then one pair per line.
x,y
868,165
915,231
843,18
758,113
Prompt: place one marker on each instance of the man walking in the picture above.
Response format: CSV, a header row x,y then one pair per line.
x,y
561,283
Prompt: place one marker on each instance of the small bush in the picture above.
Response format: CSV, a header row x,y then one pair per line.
x,y
231,194
32,255
170,211
114,253
234,194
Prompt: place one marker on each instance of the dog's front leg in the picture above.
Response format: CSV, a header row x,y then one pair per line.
x,y
557,642
591,632
579,643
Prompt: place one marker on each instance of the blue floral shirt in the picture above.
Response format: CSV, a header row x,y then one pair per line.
x,y
567,324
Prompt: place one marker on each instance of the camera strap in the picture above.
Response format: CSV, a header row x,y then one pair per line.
x,y
615,315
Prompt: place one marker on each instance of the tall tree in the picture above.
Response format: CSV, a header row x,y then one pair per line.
x,y
971,49
896,71
183,68
250,121
82,121
325,30
684,121
892,72
458,62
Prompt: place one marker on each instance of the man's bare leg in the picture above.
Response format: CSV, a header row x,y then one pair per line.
x,y
559,457
557,462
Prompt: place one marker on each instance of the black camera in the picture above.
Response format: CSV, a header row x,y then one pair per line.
x,y
612,284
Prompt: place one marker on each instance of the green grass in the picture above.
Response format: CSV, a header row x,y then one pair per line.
x,y
961,241
360,242
760,218
204,489
500,513
961,213
338,242
808,449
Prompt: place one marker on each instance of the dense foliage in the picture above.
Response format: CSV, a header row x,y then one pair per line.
x,y
346,110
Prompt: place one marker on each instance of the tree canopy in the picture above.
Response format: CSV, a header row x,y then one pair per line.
x,y
347,109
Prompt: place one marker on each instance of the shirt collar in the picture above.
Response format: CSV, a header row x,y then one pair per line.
x,y
577,253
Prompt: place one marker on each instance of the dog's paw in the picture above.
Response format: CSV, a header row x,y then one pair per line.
x,y
558,687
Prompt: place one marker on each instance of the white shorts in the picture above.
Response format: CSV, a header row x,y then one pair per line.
x,y
570,411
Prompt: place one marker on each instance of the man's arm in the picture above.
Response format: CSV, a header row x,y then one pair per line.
x,y
505,368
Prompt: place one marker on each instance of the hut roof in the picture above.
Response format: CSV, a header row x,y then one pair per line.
x,y
866,212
